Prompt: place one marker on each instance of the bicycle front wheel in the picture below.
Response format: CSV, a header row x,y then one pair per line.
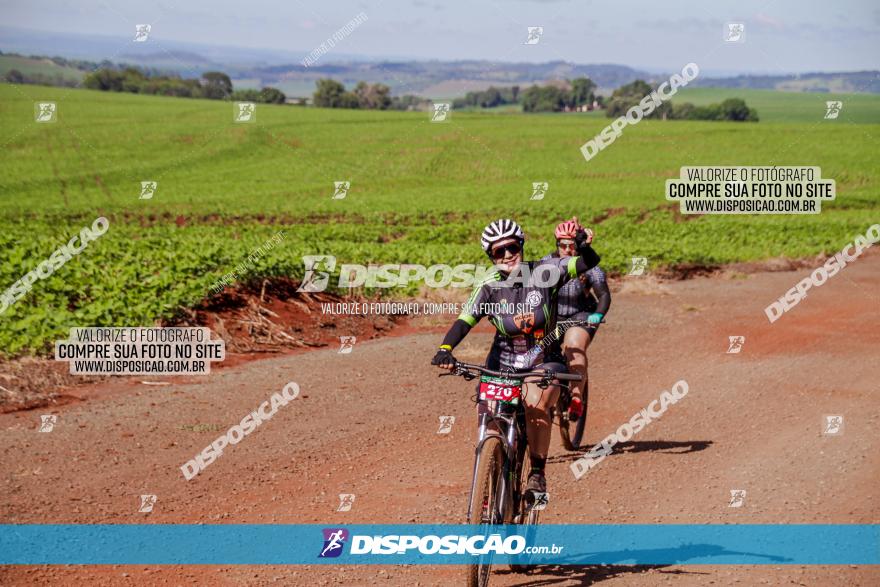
x,y
528,515
486,507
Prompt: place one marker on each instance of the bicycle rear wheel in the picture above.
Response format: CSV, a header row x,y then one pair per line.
x,y
561,415
581,426
486,507
571,432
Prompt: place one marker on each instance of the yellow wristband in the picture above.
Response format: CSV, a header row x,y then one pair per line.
x,y
445,347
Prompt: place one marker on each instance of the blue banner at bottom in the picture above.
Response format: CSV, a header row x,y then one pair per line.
x,y
276,544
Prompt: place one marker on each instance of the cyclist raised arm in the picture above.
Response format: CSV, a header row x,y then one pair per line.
x,y
518,299
576,304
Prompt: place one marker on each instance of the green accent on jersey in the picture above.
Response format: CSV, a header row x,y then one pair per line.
x,y
498,323
572,267
469,318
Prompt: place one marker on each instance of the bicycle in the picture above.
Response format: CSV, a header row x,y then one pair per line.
x,y
571,438
501,458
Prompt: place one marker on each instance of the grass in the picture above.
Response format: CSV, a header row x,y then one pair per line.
x,y
807,107
420,193
29,66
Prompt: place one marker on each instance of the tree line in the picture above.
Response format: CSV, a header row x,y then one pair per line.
x,y
629,95
564,96
561,96
329,93
213,85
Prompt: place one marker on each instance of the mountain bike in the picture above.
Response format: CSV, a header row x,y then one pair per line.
x,y
571,432
501,457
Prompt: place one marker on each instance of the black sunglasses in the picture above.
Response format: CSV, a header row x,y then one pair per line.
x,y
512,248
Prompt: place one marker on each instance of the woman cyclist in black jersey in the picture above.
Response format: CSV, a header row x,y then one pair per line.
x,y
519,299
575,303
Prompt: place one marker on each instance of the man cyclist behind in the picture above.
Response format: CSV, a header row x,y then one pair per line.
x,y
522,308
576,304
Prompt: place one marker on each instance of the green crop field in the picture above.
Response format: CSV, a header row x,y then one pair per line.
x,y
420,193
806,107
29,66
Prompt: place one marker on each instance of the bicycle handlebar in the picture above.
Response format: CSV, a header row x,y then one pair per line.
x,y
460,368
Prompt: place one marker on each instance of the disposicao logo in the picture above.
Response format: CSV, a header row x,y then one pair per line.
x,y
334,540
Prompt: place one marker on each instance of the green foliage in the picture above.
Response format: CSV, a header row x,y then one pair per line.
x,y
553,98
732,109
269,95
330,93
14,76
543,99
373,96
44,71
625,97
216,85
420,193
213,85
247,95
582,92
735,109
264,96
134,81
776,106
489,98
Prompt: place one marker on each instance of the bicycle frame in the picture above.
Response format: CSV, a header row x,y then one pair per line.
x,y
507,430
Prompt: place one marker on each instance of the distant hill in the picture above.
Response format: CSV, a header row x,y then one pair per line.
x,y
40,67
857,81
187,63
448,79
434,79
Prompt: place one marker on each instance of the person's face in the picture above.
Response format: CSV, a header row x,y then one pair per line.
x,y
565,247
507,254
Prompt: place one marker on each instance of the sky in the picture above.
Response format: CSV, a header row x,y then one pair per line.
x,y
781,36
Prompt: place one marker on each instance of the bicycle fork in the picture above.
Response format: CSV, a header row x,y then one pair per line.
x,y
506,480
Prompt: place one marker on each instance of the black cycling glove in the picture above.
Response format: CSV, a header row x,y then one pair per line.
x,y
582,239
443,357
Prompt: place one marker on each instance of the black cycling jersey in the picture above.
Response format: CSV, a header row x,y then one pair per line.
x,y
574,299
521,306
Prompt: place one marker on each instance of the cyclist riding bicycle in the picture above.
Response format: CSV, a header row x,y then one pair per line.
x,y
519,299
575,303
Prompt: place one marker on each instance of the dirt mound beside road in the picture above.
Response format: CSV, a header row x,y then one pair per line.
x,y
254,319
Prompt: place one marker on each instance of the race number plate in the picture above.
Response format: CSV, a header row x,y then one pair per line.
x,y
496,388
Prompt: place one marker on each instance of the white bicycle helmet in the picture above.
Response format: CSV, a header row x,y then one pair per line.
x,y
499,230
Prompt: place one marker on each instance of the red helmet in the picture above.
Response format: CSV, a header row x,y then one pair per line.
x,y
567,229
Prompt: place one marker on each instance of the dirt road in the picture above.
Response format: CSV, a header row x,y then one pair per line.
x,y
366,423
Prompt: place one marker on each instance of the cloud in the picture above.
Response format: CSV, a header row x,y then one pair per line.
x,y
769,21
